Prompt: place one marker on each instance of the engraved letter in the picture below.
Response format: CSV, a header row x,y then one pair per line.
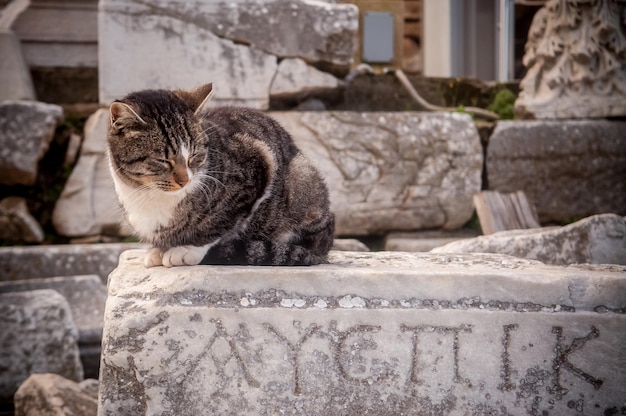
x,y
507,384
233,352
561,358
294,350
338,344
439,329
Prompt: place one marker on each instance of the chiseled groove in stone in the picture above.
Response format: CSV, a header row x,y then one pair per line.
x,y
280,299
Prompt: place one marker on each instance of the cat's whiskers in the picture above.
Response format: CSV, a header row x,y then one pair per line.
x,y
203,188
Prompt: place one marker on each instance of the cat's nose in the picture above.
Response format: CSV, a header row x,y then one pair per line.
x,y
181,178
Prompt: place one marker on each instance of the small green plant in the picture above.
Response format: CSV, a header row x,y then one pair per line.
x,y
503,104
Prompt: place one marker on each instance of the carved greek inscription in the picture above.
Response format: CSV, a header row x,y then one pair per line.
x,y
443,330
293,350
233,352
338,340
561,358
507,384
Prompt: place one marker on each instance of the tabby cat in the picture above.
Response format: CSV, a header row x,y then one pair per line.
x,y
217,186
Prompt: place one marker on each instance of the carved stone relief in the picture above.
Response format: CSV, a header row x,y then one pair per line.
x,y
576,60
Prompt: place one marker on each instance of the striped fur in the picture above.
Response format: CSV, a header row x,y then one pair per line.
x,y
222,186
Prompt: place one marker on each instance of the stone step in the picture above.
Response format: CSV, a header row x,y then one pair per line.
x,y
32,262
370,333
38,335
86,296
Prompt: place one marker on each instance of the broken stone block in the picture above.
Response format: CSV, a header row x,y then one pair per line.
x,y
392,171
600,239
32,262
139,41
349,244
315,31
15,80
88,204
369,333
16,222
38,336
296,80
53,395
422,241
86,296
27,129
568,169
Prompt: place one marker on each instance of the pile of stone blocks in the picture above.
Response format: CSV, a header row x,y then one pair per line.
x,y
27,129
250,50
385,171
52,302
371,333
599,239
38,336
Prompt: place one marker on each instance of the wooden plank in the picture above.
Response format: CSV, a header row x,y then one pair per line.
x,y
500,212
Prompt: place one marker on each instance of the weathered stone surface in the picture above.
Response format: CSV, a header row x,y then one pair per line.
x,y
15,81
576,62
88,205
296,79
233,44
19,263
38,336
27,128
349,244
392,171
85,295
53,395
316,31
16,223
600,239
422,241
413,245
568,169
139,40
370,333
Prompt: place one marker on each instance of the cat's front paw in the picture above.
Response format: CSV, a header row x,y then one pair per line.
x,y
154,257
183,256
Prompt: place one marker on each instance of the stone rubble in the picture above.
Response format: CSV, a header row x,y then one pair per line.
x,y
392,171
139,40
32,262
27,128
349,244
16,222
295,79
15,80
38,336
88,205
600,239
423,241
567,168
86,296
54,395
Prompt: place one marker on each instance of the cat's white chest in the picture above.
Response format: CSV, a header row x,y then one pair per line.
x,y
147,210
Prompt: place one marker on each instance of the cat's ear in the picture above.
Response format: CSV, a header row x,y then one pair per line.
x,y
197,98
121,112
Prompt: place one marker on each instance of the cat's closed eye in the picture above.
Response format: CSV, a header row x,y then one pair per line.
x,y
196,162
164,162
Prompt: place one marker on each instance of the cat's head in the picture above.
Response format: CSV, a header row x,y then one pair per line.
x,y
155,138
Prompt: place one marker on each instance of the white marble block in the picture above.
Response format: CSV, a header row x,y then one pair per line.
x,y
369,333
